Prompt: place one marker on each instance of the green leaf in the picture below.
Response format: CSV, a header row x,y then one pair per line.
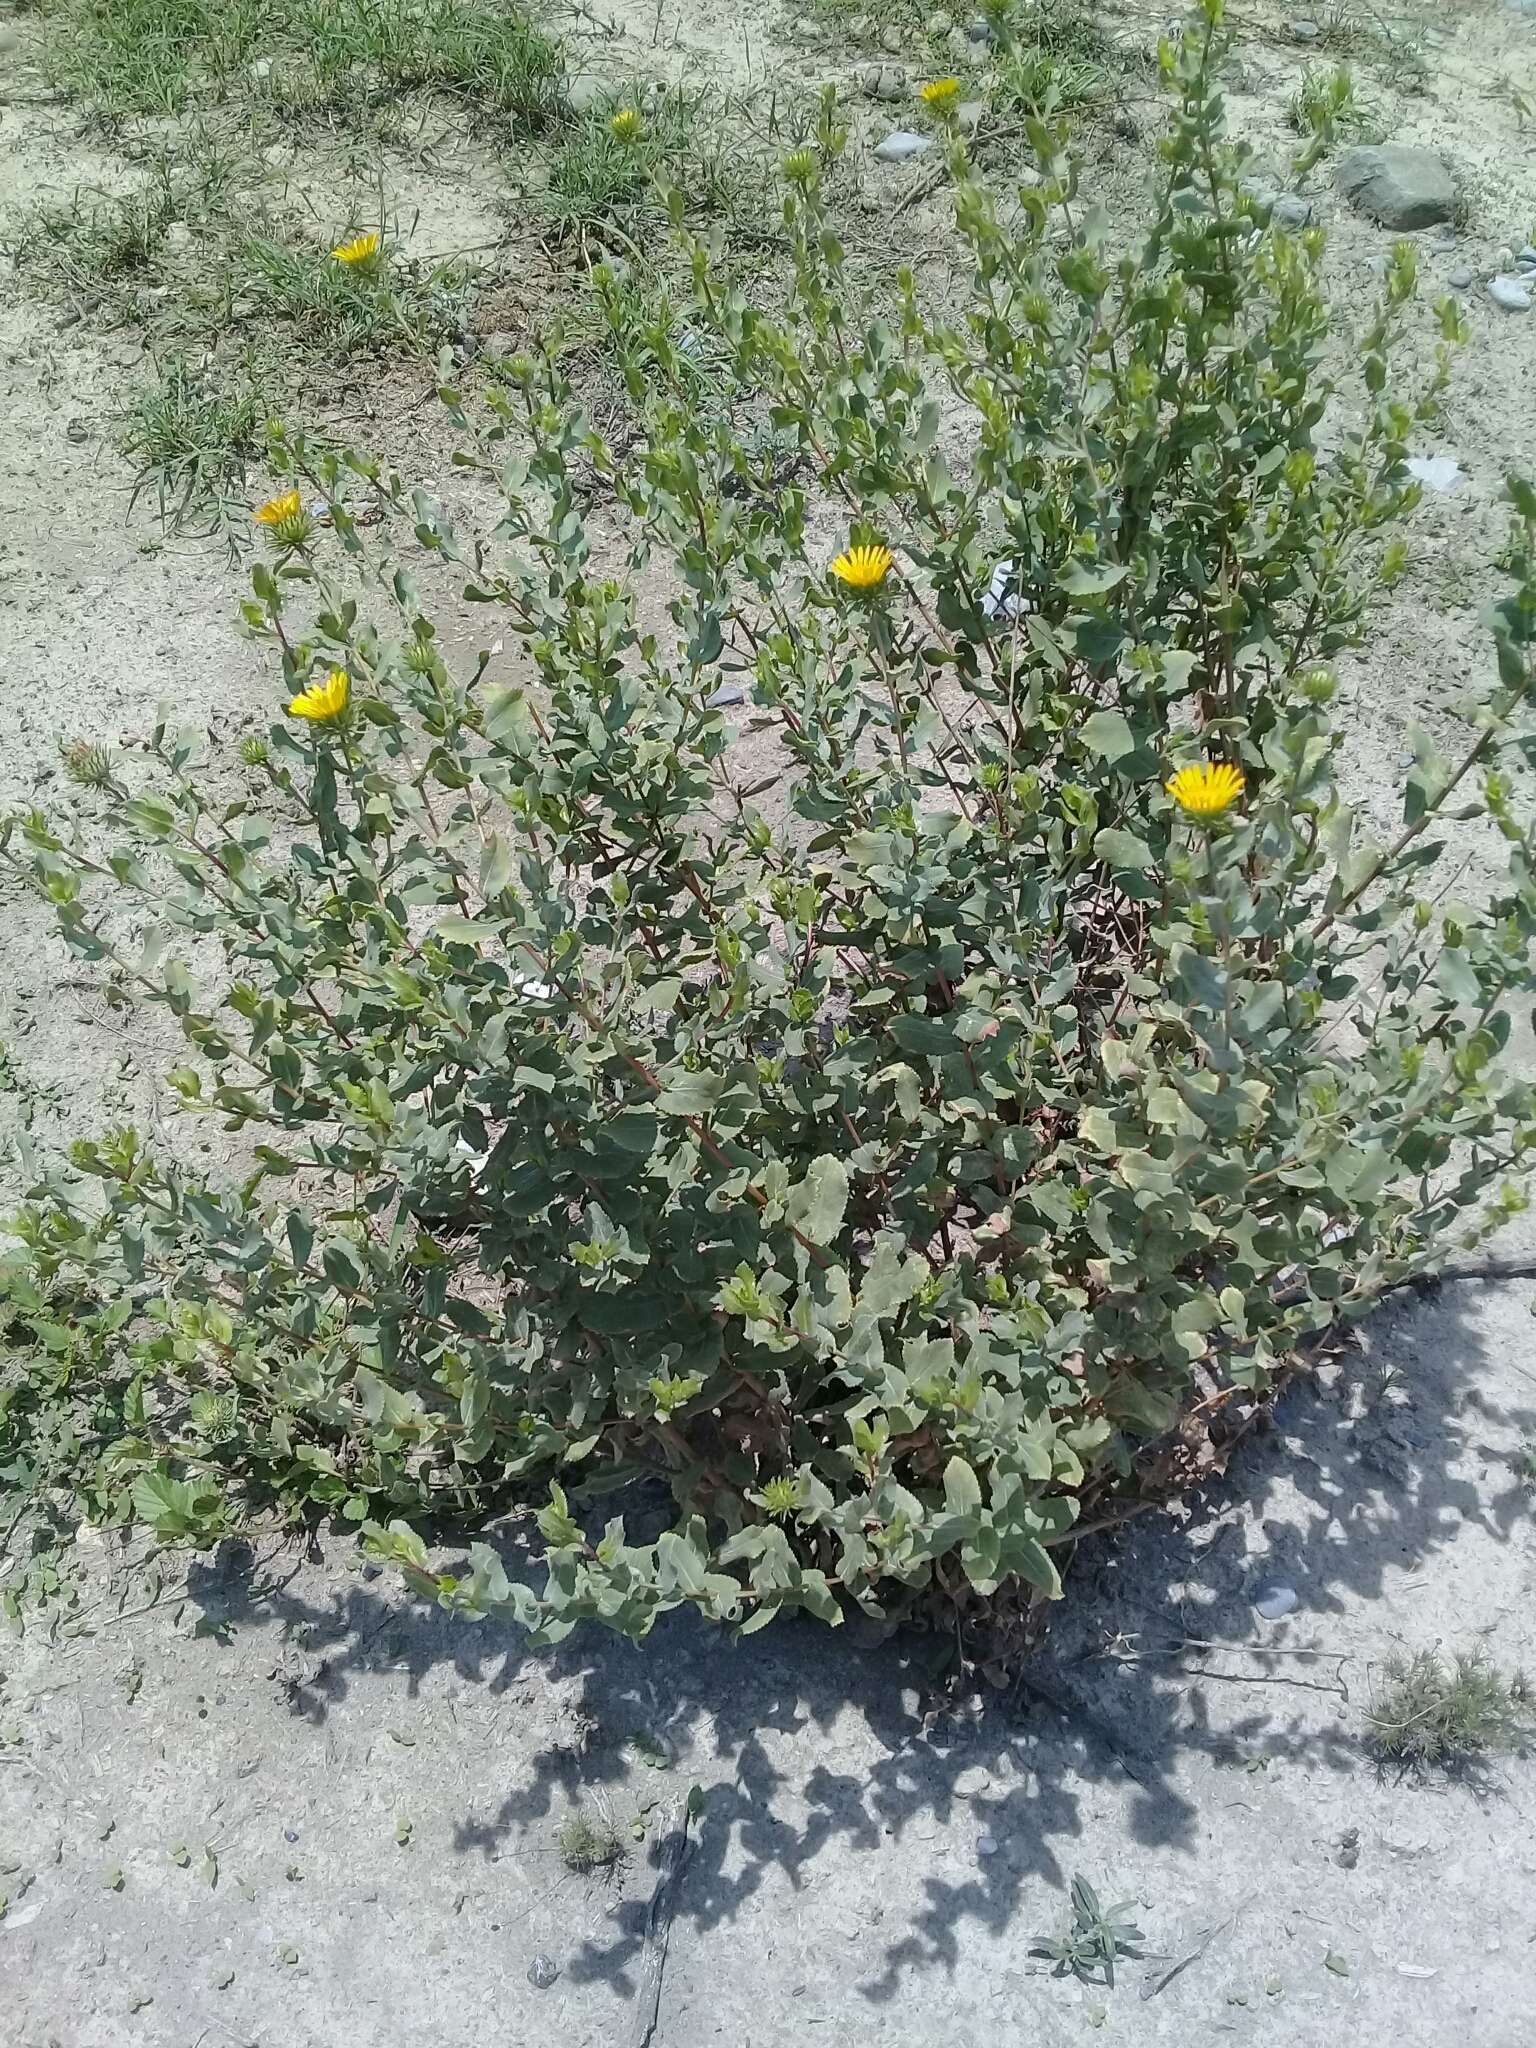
x,y
1107,734
1119,849
689,1094
817,1206
962,1489
1087,579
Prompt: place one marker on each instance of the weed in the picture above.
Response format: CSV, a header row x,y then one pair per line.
x,y
153,56
1097,1936
1525,1459
1430,1712
600,176
191,439
1329,105
350,310
1061,61
588,1844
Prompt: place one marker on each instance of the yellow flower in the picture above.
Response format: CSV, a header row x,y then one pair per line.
x,y
323,701
625,124
1206,788
801,166
941,92
360,251
286,517
863,568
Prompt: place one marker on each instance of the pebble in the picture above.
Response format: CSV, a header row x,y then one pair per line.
x,y
1290,212
542,1972
986,1845
1275,1602
892,39
939,25
728,693
178,235
1527,254
1512,293
901,144
882,81
980,32
973,1779
1435,472
1460,278
261,68
969,114
1304,31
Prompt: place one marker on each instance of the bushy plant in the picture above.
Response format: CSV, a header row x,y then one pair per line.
x,y
901,1145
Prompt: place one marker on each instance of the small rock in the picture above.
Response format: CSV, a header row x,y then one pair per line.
x,y
1460,278
938,25
973,1779
969,114
1527,254
542,1972
1275,1602
261,68
986,1845
1435,472
77,431
728,693
1304,31
901,144
1396,185
1291,212
588,89
882,81
980,32
178,235
9,41
1512,293
892,39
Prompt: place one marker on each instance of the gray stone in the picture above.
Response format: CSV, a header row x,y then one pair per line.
x,y
939,25
1459,279
1512,293
1397,185
901,144
1304,31
1291,212
893,40
981,33
542,1972
1527,254
969,114
882,81
727,694
588,89
1275,1602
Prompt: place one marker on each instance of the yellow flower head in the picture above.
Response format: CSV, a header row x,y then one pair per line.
x,y
941,92
1206,788
863,568
286,516
801,166
625,124
357,253
325,701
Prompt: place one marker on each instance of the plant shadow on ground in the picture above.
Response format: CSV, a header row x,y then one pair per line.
x,y
1345,1493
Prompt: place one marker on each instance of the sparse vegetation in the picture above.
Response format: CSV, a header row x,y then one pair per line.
x,y
191,440
336,57
1329,105
1453,1713
589,1841
1096,1939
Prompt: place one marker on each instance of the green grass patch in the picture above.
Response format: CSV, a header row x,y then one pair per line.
x,y
336,56
1432,1712
191,440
